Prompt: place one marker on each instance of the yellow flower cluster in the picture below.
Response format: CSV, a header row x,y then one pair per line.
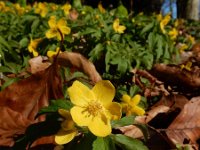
x,y
94,108
41,8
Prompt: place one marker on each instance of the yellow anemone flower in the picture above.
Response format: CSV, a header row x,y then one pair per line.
x,y
129,105
57,29
118,28
173,33
68,130
2,5
41,9
20,10
94,107
66,8
164,22
50,53
183,47
33,46
187,66
191,39
101,9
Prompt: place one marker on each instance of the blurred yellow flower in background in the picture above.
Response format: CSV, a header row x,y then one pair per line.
x,y
41,8
57,29
68,130
66,8
100,7
93,108
32,47
191,39
20,10
173,33
118,28
187,66
129,105
164,22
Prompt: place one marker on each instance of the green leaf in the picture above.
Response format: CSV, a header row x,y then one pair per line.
x,y
105,143
35,25
121,11
147,28
5,43
55,105
125,121
24,42
5,69
128,143
95,54
122,67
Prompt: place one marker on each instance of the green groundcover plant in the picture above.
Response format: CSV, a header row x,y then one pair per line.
x,y
115,41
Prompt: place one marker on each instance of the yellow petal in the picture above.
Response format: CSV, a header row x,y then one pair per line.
x,y
99,128
35,53
52,22
51,33
61,22
121,29
63,137
115,110
80,94
65,30
138,110
30,48
116,24
136,99
51,54
104,92
80,116
126,98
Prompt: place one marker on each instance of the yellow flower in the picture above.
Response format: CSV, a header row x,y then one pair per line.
x,y
41,9
159,17
66,8
129,105
164,22
68,130
94,107
191,39
53,6
173,33
20,10
101,9
118,28
57,29
187,66
183,47
2,5
33,46
50,53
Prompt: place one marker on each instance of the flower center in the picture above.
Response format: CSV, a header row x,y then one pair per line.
x,y
94,108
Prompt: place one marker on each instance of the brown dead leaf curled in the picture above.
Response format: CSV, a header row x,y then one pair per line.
x,y
186,126
70,59
25,98
133,131
37,64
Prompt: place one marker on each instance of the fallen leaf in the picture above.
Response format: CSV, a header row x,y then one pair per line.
x,y
186,126
25,98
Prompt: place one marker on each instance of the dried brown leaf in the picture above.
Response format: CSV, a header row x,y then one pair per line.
x,y
186,126
25,98
133,131
70,59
